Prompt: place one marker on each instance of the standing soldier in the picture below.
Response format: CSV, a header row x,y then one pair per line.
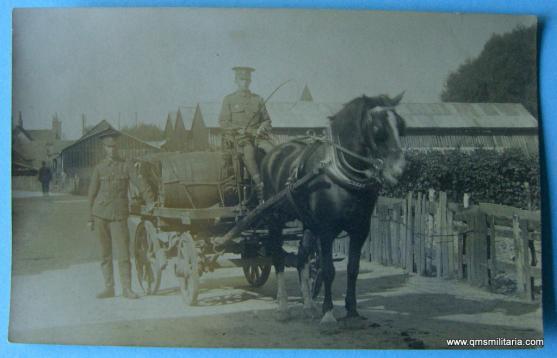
x,y
108,199
244,118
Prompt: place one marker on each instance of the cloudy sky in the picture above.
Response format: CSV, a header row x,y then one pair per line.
x,y
111,63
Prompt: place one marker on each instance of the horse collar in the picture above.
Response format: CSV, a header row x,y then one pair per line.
x,y
346,175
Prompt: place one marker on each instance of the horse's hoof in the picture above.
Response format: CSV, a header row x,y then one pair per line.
x,y
328,318
282,315
311,312
328,324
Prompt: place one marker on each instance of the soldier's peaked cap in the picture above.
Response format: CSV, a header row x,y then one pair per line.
x,y
109,137
243,72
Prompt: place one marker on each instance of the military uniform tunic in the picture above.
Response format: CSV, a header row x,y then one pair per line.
x,y
108,192
244,112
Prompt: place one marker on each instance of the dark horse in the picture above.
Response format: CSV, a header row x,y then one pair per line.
x,y
363,152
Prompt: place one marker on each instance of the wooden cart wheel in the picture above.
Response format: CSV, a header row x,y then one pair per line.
x,y
256,273
148,261
315,274
187,270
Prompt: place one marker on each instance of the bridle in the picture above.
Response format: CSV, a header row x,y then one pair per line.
x,y
343,171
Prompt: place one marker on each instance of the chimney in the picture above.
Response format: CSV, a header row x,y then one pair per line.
x,y
56,127
83,124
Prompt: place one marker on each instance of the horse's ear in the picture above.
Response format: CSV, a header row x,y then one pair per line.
x,y
395,101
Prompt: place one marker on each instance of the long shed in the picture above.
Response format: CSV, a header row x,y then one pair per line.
x,y
430,126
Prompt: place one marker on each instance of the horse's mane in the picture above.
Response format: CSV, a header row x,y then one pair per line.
x,y
358,103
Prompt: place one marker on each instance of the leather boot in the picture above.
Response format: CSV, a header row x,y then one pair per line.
x,y
108,292
125,279
128,293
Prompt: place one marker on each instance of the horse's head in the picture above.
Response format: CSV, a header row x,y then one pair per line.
x,y
370,126
383,128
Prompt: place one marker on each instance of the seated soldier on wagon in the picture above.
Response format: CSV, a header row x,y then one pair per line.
x,y
245,120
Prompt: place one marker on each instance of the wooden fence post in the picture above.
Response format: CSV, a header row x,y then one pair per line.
x,y
403,231
410,232
395,237
425,234
432,227
481,249
518,255
389,237
460,259
435,238
452,239
443,237
417,231
476,249
419,236
492,257
523,261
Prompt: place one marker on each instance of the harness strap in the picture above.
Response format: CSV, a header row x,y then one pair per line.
x,y
348,184
304,215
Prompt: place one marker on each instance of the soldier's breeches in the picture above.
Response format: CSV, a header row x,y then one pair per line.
x,y
251,163
117,232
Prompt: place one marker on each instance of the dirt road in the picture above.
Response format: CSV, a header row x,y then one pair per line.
x,y
56,276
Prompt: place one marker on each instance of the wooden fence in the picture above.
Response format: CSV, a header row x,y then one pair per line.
x,y
425,234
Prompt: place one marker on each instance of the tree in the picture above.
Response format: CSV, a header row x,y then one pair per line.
x,y
147,132
505,71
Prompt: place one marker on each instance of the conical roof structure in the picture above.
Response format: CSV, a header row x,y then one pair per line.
x,y
179,128
306,95
168,128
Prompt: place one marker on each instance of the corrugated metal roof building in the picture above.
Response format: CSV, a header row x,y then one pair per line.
x,y
430,126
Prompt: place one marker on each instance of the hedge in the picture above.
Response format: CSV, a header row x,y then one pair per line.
x,y
487,175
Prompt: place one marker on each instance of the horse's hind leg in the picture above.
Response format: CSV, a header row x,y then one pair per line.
x,y
328,270
307,245
277,253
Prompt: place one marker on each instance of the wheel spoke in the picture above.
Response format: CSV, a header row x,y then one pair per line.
x,y
147,267
253,275
187,259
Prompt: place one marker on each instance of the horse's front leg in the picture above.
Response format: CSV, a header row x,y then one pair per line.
x,y
328,270
308,245
277,254
357,240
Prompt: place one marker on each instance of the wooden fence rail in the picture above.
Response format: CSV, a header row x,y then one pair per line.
x,y
425,234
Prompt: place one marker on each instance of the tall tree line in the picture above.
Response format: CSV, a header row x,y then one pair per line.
x,y
505,71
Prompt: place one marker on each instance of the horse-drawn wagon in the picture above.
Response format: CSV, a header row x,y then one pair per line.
x,y
201,196
205,206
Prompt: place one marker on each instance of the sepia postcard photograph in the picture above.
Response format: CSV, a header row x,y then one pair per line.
x,y
275,178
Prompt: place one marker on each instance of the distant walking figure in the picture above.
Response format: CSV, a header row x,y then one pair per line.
x,y
44,177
